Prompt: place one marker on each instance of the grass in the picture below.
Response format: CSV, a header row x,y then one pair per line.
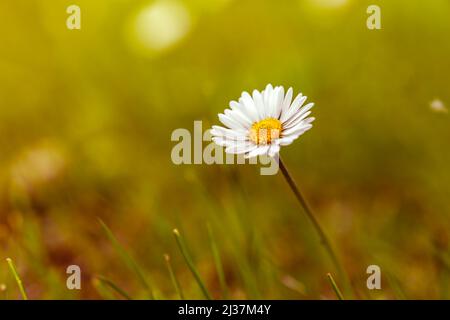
x,y
17,278
106,283
173,277
102,289
218,263
335,287
325,241
86,124
187,258
127,259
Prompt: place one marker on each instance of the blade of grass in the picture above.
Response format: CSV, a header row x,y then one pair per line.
x,y
191,265
127,259
239,242
335,287
12,267
173,277
396,286
101,289
108,283
218,263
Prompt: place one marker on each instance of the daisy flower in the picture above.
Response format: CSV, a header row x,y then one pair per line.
x,y
259,124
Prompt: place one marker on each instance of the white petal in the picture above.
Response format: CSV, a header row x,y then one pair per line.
x,y
267,92
235,105
274,149
230,122
249,104
279,103
219,141
295,120
299,113
241,148
297,130
267,95
289,131
241,108
259,103
258,151
286,102
239,117
222,142
298,102
286,140
230,131
229,134
309,120
273,102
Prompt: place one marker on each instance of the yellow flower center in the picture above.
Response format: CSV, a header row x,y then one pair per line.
x,y
264,131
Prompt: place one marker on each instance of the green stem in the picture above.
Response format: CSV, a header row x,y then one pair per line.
x,y
128,260
17,277
335,287
190,263
173,277
114,287
323,237
218,263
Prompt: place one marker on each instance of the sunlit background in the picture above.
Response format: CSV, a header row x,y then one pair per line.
x,y
86,118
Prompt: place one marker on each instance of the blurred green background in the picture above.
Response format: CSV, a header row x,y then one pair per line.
x,y
86,118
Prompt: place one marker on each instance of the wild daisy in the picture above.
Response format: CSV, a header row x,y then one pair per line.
x,y
259,124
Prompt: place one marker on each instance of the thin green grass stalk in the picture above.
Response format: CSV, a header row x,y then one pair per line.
x,y
109,283
12,267
238,241
335,287
101,289
173,277
246,272
395,285
191,265
248,277
235,220
128,260
218,263
323,237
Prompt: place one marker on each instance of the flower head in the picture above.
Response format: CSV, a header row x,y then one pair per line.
x,y
259,124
